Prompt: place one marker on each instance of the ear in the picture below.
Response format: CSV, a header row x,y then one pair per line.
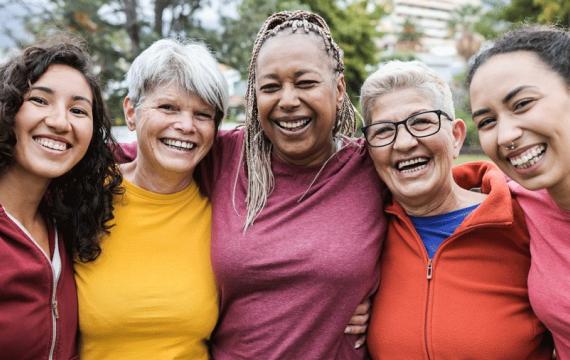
x,y
459,132
340,90
130,113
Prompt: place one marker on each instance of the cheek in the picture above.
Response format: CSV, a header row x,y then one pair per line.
x,y
488,144
85,131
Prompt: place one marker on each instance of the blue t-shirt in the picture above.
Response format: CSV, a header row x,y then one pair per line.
x,y
433,230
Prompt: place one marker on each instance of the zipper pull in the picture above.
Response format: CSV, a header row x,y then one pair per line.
x,y
54,309
429,270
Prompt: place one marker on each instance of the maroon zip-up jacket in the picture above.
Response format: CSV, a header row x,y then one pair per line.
x,y
35,323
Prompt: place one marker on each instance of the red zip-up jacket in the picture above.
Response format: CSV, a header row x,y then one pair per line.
x,y
38,315
470,301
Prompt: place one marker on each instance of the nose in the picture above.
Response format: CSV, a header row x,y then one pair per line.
x,y
289,99
185,123
508,131
404,140
57,119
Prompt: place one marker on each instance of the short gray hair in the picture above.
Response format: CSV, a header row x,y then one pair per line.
x,y
190,65
398,75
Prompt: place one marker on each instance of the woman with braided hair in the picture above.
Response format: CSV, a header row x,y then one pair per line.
x,y
290,254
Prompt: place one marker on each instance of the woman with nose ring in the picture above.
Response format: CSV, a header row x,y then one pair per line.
x,y
523,121
456,255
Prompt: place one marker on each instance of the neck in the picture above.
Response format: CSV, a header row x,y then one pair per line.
x,y
561,194
160,182
316,159
21,194
455,198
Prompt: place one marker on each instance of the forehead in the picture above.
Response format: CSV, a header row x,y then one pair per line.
x,y
503,72
401,103
175,93
288,48
64,79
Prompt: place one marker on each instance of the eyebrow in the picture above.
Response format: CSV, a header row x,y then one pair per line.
x,y
51,92
480,112
505,100
296,74
514,92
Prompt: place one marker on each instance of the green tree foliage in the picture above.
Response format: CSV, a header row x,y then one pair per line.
x,y
353,25
536,11
116,31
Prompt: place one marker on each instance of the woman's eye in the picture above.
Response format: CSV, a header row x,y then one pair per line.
x,y
522,104
167,107
485,123
38,100
204,116
79,111
305,84
269,88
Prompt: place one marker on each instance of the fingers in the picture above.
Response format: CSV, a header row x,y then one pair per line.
x,y
356,329
363,308
359,319
360,342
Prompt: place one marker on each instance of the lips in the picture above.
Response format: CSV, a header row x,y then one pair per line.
x,y
51,144
412,165
529,157
177,144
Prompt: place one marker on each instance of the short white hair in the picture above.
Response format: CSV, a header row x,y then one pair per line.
x,y
398,75
190,65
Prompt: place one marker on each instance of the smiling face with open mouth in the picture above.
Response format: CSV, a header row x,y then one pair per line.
x,y
416,170
521,109
297,95
175,131
54,125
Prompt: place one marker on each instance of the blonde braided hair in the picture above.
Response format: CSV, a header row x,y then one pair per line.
x,y
257,149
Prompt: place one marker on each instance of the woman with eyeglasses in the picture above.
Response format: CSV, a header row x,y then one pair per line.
x,y
456,254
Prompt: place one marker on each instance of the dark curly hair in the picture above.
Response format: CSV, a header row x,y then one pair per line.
x,y
550,43
80,201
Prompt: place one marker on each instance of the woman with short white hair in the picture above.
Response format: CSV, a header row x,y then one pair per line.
x,y
456,256
151,292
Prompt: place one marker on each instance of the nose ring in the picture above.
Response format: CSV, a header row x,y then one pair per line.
x,y
511,146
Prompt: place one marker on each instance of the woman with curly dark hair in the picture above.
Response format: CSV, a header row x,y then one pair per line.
x,y
57,181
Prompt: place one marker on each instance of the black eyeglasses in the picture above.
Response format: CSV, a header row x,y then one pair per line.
x,y
384,133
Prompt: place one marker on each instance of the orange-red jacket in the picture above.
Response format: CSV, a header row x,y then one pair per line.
x,y
470,301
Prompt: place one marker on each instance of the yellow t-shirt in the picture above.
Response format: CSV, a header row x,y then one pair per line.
x,y
151,293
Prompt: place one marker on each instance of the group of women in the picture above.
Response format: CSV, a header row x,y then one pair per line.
x,y
261,242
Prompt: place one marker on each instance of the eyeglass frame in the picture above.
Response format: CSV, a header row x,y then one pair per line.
x,y
404,122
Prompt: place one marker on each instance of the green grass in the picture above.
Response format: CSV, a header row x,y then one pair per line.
x,y
470,157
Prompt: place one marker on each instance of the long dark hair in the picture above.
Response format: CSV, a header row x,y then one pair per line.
x,y
80,201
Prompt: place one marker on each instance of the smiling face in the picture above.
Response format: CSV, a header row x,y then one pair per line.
x,y
416,170
297,97
54,125
527,105
175,130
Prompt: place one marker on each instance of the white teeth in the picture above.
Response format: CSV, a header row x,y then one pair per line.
x,y
179,144
414,169
529,157
409,162
51,144
293,124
